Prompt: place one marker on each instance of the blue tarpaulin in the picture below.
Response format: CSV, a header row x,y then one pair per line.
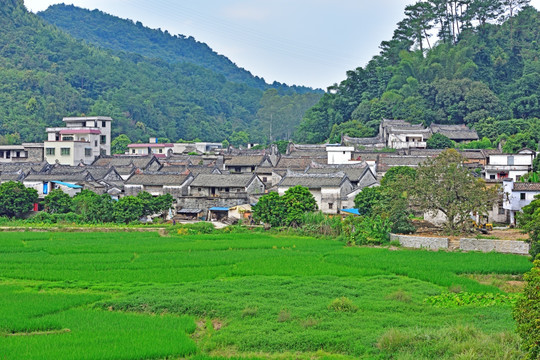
x,y
69,185
351,211
217,208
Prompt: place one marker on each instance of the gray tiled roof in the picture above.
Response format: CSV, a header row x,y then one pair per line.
x,y
157,179
74,177
244,160
313,181
455,132
523,186
220,180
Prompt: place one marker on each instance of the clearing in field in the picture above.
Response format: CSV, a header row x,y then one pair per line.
x,y
143,296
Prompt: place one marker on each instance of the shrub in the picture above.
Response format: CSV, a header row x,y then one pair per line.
x,y
284,315
249,312
400,295
342,304
527,313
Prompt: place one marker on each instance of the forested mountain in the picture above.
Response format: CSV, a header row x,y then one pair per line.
x,y
483,70
45,74
111,32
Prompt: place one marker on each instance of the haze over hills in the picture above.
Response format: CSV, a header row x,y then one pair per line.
x,y
111,32
46,74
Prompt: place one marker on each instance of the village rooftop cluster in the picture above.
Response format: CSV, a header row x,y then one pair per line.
x,y
220,183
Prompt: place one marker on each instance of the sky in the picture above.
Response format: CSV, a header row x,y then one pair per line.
x,y
300,42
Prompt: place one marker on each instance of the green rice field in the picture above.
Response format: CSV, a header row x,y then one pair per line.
x,y
129,295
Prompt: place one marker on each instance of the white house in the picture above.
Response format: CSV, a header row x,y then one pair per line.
x,y
82,140
509,166
517,195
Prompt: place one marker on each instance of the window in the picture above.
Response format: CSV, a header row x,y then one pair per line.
x,y
103,139
103,124
518,177
265,179
501,209
67,138
95,143
49,151
87,152
510,160
330,206
64,151
522,196
199,189
161,151
133,151
492,177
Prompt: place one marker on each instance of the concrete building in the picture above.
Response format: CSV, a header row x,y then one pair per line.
x,y
81,141
517,195
509,166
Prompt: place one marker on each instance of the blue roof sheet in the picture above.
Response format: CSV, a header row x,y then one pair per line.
x,y
351,211
69,185
217,208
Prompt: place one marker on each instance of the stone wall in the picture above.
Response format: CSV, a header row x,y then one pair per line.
x,y
501,246
420,242
465,244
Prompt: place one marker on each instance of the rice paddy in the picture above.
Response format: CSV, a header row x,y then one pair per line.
x,y
119,295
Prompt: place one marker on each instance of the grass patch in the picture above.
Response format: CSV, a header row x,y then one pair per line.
x,y
259,296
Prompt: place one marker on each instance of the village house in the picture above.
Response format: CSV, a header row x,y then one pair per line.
x,y
513,166
158,184
517,195
329,190
82,140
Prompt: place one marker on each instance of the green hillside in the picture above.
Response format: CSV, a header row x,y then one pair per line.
x,y
107,31
483,71
46,74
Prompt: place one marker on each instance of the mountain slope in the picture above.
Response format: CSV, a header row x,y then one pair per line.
x,y
485,76
46,74
111,32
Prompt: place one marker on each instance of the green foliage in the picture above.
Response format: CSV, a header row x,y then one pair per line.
x,y
16,200
353,128
529,221
364,230
128,209
297,200
239,138
443,185
282,146
401,174
269,210
149,82
57,202
119,145
485,143
455,299
285,210
527,313
368,199
342,304
154,204
439,141
93,208
97,285
473,76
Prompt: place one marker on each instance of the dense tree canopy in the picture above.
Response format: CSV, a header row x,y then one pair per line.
x,y
483,69
15,199
46,74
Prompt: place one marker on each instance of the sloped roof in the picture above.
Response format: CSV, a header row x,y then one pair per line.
x,y
222,180
455,132
157,179
525,186
298,163
73,178
244,160
313,181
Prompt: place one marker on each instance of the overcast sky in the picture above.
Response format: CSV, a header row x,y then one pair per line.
x,y
302,42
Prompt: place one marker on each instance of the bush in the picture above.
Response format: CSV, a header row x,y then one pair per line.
x,y
362,230
342,304
527,313
198,228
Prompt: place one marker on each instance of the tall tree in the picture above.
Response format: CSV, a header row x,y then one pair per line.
x,y
444,185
